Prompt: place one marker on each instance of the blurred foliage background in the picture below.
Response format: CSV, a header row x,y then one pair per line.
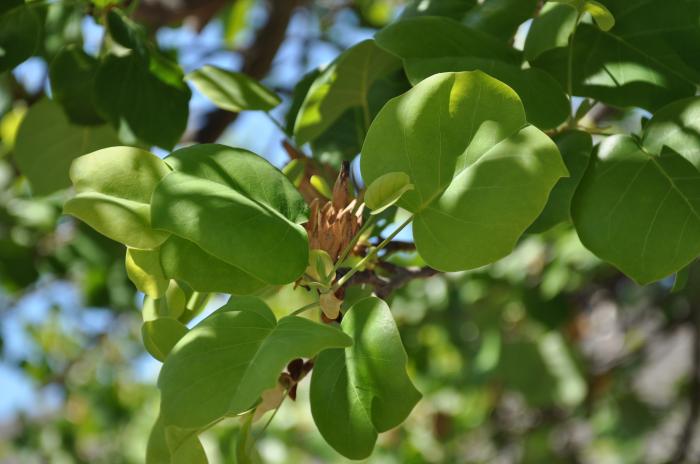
x,y
548,356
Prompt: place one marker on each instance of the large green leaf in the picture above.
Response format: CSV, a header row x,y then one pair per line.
x,y
575,147
364,389
47,143
238,208
481,174
148,103
223,365
434,37
72,71
500,18
648,59
544,100
345,84
676,126
183,260
232,91
20,33
639,211
113,193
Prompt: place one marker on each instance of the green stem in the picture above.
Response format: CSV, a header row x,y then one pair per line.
x,y
346,251
272,416
304,308
570,71
371,254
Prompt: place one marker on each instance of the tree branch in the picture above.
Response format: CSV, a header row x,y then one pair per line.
x,y
398,277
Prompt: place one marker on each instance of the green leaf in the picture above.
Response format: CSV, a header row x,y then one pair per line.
x,y
144,105
144,270
222,366
362,390
575,147
647,60
47,143
345,84
183,260
20,33
546,104
113,192
169,445
680,280
500,18
386,190
638,210
232,91
434,37
480,172
161,335
71,71
677,126
550,29
320,267
244,171
454,9
218,196
601,15
126,32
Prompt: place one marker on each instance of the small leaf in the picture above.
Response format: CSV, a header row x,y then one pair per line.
x,y
144,270
232,91
321,186
386,190
113,193
161,335
601,15
320,267
246,453
240,349
364,389
330,305
47,143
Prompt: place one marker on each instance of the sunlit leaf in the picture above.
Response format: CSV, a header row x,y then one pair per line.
x,y
362,390
386,190
481,174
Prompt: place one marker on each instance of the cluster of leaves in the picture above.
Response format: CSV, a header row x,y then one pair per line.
x,y
449,120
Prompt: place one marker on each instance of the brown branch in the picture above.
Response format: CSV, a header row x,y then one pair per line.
x,y
257,63
398,245
398,277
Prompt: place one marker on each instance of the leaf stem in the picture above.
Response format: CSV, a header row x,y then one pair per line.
x,y
272,416
304,308
278,125
346,251
371,254
570,71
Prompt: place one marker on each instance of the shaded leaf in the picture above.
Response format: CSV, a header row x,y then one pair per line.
x,y
144,270
71,72
20,33
47,143
235,354
167,445
500,18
